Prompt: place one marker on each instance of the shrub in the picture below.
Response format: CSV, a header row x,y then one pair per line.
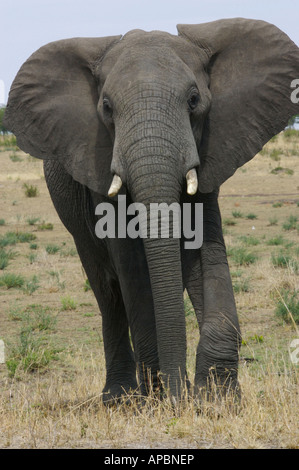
x,y
229,222
237,214
30,190
32,220
251,216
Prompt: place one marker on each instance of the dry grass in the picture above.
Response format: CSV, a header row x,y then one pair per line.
x,y
51,412
59,405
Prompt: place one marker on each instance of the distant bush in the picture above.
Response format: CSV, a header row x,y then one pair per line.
x,y
9,142
288,133
3,130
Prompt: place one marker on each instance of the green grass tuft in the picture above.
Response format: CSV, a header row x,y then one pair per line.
x,y
30,190
10,280
287,308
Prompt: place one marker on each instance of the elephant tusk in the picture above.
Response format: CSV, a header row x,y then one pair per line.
x,y
115,186
192,183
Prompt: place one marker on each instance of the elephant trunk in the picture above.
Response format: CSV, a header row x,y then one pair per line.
x,y
164,264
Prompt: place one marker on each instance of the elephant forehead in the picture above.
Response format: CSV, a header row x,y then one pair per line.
x,y
143,56
155,47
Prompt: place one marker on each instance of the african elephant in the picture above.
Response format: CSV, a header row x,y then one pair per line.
x,y
161,119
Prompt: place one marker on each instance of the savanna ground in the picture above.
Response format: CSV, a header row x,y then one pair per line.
x,y
54,372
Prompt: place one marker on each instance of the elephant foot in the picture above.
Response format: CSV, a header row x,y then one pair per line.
x,y
214,395
120,394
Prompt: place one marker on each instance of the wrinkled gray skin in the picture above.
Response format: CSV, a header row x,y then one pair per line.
x,y
149,107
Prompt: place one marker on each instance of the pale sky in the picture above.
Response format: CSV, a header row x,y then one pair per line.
x,y
26,25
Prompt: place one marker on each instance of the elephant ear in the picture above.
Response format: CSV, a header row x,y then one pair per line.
x,y
251,65
52,109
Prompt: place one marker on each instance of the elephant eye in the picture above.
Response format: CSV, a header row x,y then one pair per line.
x,y
193,100
107,108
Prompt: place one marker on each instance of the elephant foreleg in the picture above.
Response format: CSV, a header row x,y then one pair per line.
x,y
218,348
208,282
74,207
132,271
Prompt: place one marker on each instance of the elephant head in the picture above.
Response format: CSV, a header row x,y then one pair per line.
x,y
160,115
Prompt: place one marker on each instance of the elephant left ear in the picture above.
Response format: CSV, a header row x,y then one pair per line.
x,y
252,67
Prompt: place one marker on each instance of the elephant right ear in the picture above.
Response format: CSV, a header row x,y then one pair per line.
x,y
52,109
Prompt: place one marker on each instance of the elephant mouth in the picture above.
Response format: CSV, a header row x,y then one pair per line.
x,y
191,178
